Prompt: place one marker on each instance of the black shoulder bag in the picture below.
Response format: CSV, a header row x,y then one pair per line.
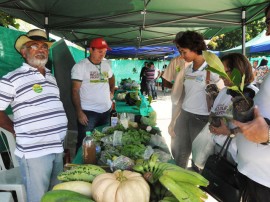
x,y
222,175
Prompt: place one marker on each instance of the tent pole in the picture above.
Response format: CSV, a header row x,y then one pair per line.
x,y
85,49
46,25
243,31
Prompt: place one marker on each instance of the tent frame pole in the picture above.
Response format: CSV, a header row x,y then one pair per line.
x,y
243,31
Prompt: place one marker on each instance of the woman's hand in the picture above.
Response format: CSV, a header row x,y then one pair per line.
x,y
221,130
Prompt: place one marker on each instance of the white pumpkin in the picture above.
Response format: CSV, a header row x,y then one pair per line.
x,y
120,186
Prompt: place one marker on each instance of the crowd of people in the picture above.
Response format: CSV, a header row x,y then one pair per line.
x,y
40,123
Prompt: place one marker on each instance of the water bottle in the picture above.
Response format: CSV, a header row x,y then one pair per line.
x,y
89,149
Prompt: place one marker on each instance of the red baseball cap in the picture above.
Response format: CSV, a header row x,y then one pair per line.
x,y
99,43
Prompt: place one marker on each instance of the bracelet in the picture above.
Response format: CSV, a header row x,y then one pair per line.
x,y
268,141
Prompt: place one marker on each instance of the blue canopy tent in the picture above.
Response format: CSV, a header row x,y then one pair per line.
x,y
263,47
257,44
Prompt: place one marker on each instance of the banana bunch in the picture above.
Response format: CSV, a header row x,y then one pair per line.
x,y
86,173
148,168
183,190
158,192
181,183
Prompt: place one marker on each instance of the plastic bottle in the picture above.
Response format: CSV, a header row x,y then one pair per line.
x,y
89,149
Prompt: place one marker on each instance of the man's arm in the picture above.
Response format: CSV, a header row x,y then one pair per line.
x,y
6,123
76,85
256,130
142,72
112,86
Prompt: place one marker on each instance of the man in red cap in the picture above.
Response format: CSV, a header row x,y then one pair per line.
x,y
39,119
92,89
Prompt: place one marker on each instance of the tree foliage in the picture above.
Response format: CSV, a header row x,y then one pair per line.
x,y
234,38
6,20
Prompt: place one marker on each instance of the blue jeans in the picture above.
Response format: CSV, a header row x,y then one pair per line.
x,y
40,174
151,89
94,120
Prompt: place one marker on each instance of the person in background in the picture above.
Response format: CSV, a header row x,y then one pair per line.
x,y
157,79
254,68
173,78
143,79
255,65
150,80
194,112
93,85
39,122
162,79
253,143
261,71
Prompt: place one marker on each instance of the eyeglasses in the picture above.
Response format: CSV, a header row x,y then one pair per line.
x,y
37,47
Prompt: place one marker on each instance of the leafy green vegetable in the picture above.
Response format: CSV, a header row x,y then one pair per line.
x,y
133,151
111,130
151,120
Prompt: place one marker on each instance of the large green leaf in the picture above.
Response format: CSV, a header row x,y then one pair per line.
x,y
234,88
214,70
236,77
242,83
213,61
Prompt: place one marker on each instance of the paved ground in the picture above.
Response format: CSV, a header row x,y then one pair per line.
x,y
163,108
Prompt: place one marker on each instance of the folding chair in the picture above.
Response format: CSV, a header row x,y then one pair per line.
x,y
10,178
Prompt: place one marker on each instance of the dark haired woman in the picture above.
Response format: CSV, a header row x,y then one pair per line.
x,y
194,113
222,107
223,102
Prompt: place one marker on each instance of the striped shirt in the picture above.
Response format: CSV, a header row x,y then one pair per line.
x,y
40,122
150,74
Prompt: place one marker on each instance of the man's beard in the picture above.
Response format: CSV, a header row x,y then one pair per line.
x,y
35,62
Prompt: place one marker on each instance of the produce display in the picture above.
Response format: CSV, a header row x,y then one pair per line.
x,y
120,186
85,173
121,96
129,84
133,166
64,196
148,181
129,143
182,184
81,187
133,98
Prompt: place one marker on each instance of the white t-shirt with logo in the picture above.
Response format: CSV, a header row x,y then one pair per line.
x,y
95,89
194,84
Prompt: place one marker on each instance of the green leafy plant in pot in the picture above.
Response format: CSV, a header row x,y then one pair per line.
x,y
243,105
